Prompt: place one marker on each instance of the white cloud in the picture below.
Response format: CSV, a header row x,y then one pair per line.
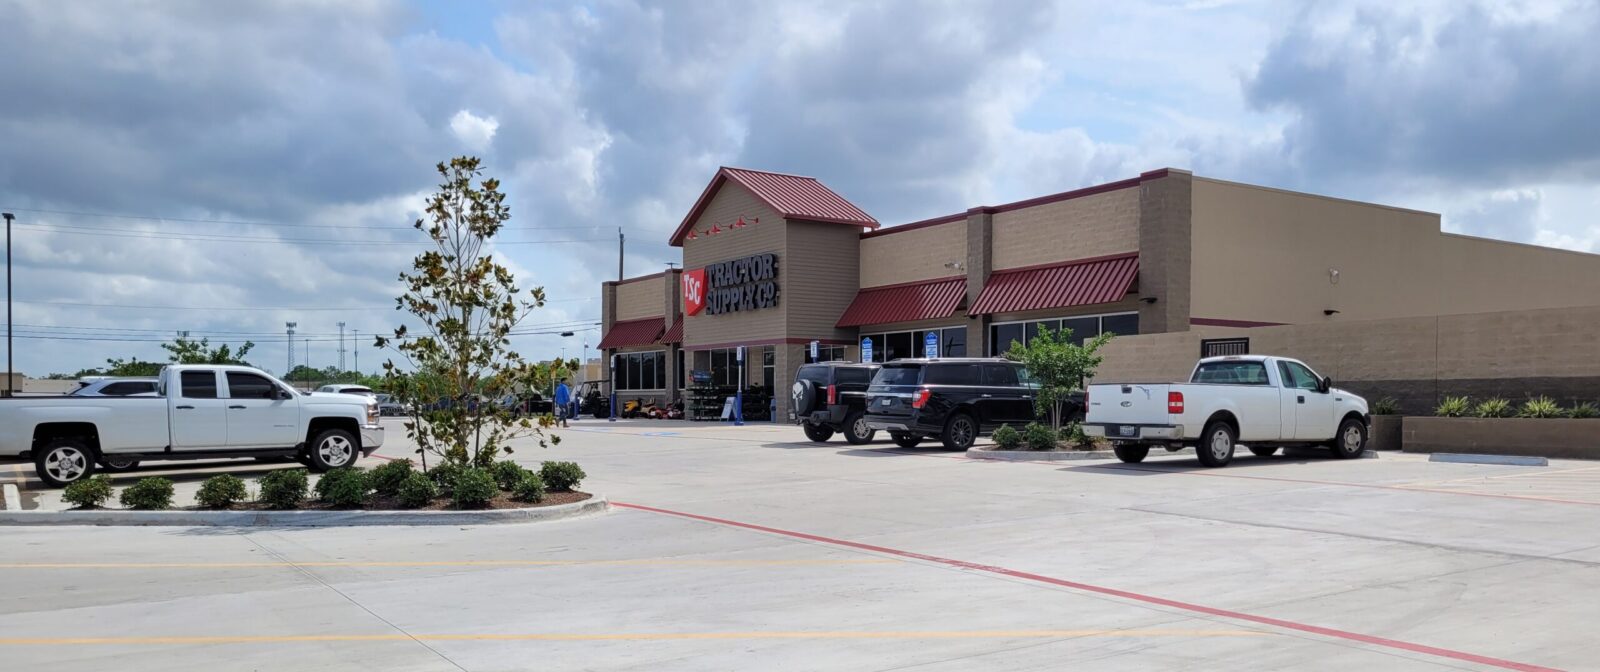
x,y
473,131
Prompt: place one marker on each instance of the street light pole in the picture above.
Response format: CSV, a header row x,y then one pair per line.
x,y
11,370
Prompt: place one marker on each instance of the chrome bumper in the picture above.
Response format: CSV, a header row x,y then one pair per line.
x,y
1139,432
371,439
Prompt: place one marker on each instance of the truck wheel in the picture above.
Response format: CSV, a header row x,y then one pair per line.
x,y
905,440
1352,439
1265,452
1216,445
63,461
116,465
333,448
856,431
959,432
817,433
1131,454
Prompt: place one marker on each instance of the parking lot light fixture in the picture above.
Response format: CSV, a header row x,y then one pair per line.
x,y
11,369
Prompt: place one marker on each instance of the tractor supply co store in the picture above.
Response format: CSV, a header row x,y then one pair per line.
x,y
1175,265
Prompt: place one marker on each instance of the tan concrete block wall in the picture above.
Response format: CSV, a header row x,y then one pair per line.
x,y
640,299
731,202
1078,228
826,256
1156,358
910,256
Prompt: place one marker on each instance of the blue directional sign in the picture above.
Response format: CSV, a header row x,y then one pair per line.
x,y
930,345
866,349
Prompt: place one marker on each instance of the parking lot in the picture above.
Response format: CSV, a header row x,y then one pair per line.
x,y
744,547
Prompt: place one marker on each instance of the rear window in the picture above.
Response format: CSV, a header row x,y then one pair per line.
x,y
897,375
1231,373
846,375
952,374
815,374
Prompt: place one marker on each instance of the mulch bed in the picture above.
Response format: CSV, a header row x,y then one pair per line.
x,y
502,500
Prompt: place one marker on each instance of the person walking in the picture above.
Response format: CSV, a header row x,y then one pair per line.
x,y
563,402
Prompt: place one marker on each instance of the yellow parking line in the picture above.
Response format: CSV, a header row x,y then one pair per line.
x,y
634,636
640,562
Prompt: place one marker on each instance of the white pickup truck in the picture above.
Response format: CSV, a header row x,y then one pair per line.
x,y
1262,402
198,412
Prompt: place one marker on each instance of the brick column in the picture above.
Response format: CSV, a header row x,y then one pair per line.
x,y
788,357
673,310
1165,202
979,262
608,317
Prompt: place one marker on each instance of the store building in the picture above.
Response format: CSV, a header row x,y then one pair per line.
x,y
775,262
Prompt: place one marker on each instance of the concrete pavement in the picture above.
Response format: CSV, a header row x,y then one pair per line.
x,y
750,547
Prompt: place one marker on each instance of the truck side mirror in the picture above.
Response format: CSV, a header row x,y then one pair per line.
x,y
1327,384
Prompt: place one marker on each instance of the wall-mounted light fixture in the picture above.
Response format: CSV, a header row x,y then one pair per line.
x,y
1330,311
955,265
1147,299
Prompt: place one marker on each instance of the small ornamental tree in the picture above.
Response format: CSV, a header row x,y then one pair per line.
x,y
1059,366
467,305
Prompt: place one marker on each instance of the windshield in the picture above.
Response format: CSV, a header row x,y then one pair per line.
x,y
898,375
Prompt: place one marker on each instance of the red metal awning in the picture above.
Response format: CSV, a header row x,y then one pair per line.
x,y
675,333
903,303
633,332
1075,283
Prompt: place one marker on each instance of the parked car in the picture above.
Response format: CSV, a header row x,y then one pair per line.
x,y
829,397
203,412
387,405
954,399
348,389
114,387
1262,402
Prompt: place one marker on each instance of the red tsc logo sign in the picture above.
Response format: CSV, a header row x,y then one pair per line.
x,y
694,291
750,283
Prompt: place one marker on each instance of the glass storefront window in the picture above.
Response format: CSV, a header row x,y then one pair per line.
x,y
1002,335
953,342
1083,328
641,370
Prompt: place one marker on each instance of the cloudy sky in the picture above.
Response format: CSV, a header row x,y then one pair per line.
x,y
223,168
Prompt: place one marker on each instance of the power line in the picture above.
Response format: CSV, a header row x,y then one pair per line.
x,y
220,238
189,220
75,304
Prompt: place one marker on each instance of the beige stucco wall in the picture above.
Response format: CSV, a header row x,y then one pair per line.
x,y
729,203
1264,255
913,255
640,299
1078,228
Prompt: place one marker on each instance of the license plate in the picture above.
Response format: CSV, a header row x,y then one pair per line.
x,y
886,402
1128,430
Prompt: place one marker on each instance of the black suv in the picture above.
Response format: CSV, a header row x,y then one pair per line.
x,y
955,399
831,397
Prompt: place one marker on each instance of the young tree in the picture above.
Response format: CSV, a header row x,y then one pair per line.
x,y
467,305
1059,366
185,351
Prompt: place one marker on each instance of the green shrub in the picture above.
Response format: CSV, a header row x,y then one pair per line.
x,y
1386,406
561,476
507,474
1493,408
88,493
1007,437
417,490
1453,407
221,491
1540,407
444,475
149,494
1586,409
473,489
284,488
1072,434
1039,437
344,487
387,477
529,488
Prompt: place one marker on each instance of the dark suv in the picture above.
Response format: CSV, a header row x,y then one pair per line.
x,y
831,397
955,399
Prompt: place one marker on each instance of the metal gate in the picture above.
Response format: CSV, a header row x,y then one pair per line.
x,y
1221,347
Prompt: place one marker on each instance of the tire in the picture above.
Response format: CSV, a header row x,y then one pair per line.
x,y
1351,441
804,395
1131,454
905,440
817,433
1265,452
117,465
1216,445
332,449
64,461
856,431
960,431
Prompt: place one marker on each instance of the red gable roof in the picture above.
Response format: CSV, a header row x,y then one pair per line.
x,y
905,302
793,196
675,334
1075,283
633,332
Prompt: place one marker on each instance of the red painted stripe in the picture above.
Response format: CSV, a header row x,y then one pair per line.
x,y
1127,595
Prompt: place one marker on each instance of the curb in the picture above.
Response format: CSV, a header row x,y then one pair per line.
x,y
1508,460
1323,452
12,499
594,505
1039,455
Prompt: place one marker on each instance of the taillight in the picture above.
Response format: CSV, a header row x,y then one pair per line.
x,y
1175,403
920,399
833,395
1085,398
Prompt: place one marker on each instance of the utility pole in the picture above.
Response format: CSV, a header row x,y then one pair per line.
x,y
341,347
289,326
356,339
308,364
11,370
620,241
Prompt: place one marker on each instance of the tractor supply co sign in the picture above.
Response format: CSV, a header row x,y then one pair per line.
x,y
748,283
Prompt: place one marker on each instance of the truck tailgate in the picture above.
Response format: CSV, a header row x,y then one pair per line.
x,y
1128,404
